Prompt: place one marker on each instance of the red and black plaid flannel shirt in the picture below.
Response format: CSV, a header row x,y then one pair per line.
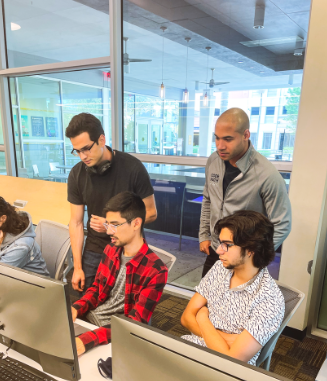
x,y
146,277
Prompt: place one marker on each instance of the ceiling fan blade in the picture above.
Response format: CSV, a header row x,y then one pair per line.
x,y
207,83
138,60
220,83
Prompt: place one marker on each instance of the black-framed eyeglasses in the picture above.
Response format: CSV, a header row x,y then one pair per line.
x,y
86,150
226,246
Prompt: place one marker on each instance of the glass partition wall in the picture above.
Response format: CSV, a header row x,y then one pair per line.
x,y
42,108
181,73
184,64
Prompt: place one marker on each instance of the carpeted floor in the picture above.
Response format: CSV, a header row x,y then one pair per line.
x,y
293,359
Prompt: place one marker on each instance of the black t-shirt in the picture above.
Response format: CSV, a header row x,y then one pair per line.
x,y
230,174
125,174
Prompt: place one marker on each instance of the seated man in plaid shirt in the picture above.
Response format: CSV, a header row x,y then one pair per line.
x,y
130,278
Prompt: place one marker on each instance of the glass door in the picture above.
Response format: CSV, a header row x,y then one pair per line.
x,y
156,140
142,144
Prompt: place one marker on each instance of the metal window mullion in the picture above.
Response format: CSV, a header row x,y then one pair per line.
x,y
57,67
19,124
62,120
115,21
8,134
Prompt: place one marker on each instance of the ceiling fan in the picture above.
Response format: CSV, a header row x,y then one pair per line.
x,y
212,82
127,60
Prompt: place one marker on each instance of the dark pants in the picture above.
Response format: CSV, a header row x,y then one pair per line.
x,y
90,264
211,259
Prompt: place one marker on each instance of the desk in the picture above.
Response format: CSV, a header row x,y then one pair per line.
x,y
45,199
59,176
87,362
69,167
322,375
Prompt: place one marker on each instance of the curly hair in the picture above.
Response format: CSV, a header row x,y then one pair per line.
x,y
251,231
15,222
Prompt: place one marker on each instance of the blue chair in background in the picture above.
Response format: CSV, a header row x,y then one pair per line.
x,y
193,185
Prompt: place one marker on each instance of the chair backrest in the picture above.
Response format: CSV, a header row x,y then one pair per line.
x,y
167,258
194,184
293,298
35,170
53,239
53,167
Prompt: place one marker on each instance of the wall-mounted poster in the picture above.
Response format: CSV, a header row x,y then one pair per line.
x,y
52,126
37,126
24,125
24,121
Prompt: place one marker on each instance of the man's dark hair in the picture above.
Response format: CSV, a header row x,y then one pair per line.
x,y
85,122
129,204
251,231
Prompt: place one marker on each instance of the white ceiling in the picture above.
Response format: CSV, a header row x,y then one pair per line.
x,y
63,30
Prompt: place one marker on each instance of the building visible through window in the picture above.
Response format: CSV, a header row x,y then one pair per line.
x,y
266,143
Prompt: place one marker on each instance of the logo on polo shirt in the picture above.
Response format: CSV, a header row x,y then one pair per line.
x,y
214,178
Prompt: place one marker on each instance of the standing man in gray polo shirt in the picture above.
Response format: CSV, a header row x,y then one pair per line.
x,y
240,178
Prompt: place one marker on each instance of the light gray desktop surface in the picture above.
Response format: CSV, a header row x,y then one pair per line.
x,y
87,362
322,375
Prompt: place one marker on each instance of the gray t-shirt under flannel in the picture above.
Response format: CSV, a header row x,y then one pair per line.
x,y
116,301
257,306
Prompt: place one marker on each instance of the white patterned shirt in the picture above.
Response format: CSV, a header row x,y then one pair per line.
x,y
257,306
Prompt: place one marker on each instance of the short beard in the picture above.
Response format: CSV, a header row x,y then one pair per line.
x,y
240,262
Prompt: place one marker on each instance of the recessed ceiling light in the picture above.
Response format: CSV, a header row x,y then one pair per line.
x,y
261,72
14,26
240,62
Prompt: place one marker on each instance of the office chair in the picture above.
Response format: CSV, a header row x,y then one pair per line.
x,y
23,172
193,185
53,168
293,299
36,174
54,173
53,239
167,258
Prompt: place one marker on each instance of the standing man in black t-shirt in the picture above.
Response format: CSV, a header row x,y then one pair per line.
x,y
101,174
240,178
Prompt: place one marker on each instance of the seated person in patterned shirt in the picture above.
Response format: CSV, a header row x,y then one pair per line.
x,y
237,306
130,278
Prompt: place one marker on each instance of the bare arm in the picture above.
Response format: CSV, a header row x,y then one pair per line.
x,y
188,318
243,347
76,233
151,209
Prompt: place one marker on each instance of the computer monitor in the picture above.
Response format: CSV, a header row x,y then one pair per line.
x,y
35,316
144,353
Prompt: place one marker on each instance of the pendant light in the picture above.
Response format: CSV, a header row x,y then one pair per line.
x,y
206,98
162,87
186,94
